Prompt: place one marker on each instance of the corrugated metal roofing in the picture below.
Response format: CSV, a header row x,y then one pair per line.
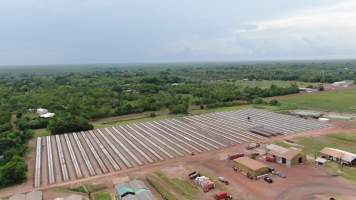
x,y
250,163
337,153
279,151
134,190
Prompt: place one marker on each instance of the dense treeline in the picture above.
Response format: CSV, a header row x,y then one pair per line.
x,y
13,147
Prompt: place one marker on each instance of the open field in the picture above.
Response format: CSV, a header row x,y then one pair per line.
x,y
102,196
174,188
73,156
333,101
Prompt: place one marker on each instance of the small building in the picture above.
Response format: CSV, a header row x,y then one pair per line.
x,y
342,83
337,155
308,90
320,161
41,111
289,157
47,115
306,113
133,190
251,167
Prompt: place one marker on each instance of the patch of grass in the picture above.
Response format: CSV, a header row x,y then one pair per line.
x,y
343,141
182,187
130,121
283,144
160,189
197,111
40,132
336,101
80,189
102,195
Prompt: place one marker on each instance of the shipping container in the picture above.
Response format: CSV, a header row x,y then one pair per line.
x,y
238,155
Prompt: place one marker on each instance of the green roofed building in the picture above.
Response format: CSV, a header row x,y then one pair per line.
x,y
133,190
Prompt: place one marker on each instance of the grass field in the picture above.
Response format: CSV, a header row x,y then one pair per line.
x,y
102,196
40,132
344,141
336,101
174,188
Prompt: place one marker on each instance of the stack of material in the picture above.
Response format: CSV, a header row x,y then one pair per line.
x,y
265,131
205,183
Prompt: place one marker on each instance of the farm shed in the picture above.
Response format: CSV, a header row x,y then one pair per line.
x,y
289,157
133,190
250,166
338,155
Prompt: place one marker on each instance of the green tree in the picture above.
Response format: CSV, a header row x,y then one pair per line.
x,y
13,171
68,124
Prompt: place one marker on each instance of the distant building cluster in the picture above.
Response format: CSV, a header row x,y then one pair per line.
x,y
342,83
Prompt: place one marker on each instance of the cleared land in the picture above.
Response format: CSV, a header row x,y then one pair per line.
x,y
78,155
335,101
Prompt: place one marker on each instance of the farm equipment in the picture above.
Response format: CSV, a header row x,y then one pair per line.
x,y
268,179
205,183
223,180
193,175
222,196
252,146
254,155
277,173
235,168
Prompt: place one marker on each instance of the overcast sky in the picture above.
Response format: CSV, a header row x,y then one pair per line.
x,y
110,31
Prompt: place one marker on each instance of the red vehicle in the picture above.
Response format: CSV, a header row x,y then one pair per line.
x,y
270,159
221,195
